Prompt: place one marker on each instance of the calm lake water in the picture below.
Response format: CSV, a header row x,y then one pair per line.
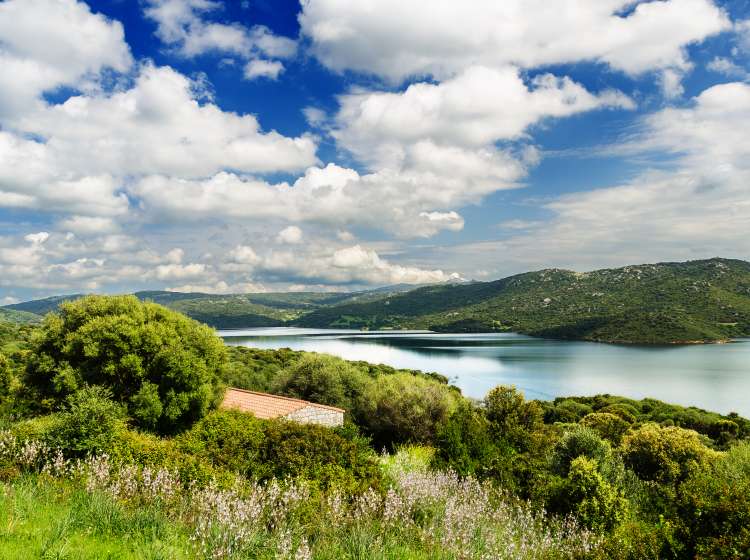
x,y
714,376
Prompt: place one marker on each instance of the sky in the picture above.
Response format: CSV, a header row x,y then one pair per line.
x,y
234,146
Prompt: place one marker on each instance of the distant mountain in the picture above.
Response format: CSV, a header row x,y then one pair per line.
x,y
224,311
695,301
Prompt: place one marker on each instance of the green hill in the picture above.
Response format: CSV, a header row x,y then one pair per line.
x,y
222,311
696,301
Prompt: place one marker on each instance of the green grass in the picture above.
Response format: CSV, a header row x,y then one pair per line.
x,y
47,519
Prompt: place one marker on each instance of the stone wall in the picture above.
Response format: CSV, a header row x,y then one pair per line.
x,y
312,414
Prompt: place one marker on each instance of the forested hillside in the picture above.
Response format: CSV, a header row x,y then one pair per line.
x,y
694,301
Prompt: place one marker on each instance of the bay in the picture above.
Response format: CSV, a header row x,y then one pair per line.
x,y
711,376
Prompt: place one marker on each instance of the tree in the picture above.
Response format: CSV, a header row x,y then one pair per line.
x,y
511,416
595,502
160,364
580,442
5,376
609,426
666,455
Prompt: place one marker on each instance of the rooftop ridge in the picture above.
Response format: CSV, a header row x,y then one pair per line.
x,y
290,399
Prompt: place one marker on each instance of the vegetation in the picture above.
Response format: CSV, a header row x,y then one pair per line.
x,y
161,365
696,301
594,478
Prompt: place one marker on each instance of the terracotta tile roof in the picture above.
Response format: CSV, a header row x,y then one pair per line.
x,y
264,405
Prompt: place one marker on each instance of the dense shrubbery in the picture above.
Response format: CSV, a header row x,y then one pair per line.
x,y
650,480
161,365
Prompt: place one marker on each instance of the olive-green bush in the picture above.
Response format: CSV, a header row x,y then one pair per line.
x,y
161,365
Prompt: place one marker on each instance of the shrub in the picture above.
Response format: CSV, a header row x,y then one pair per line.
x,y
569,410
88,424
463,442
5,376
666,455
579,442
325,379
625,411
717,498
262,450
407,409
595,502
607,425
160,364
511,417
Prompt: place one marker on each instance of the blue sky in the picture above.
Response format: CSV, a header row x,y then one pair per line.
x,y
238,146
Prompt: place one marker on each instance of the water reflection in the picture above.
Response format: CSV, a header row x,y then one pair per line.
x,y
715,377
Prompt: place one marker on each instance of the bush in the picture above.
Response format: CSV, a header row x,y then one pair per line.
x,y
463,442
580,442
595,502
5,376
326,380
89,423
607,425
718,498
160,364
261,449
511,417
665,455
407,409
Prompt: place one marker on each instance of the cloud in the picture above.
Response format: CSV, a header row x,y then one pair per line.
x,y
48,44
350,265
393,41
263,69
89,225
158,126
696,207
725,66
291,235
181,24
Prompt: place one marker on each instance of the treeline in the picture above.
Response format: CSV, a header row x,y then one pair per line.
x,y
140,383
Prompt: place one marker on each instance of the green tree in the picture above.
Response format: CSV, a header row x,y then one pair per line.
x,y
463,442
666,455
609,426
89,422
160,364
5,376
579,442
326,380
511,416
594,501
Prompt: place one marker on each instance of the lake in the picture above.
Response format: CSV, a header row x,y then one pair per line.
x,y
713,376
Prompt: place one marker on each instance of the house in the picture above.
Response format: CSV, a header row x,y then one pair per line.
x,y
266,406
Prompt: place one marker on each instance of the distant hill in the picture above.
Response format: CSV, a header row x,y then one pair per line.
x,y
695,301
18,317
223,311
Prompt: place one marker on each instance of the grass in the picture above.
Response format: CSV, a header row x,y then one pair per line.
x,y
48,519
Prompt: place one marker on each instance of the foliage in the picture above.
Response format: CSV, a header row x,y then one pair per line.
x,y
5,376
609,426
160,364
580,442
324,379
89,422
263,450
407,409
511,417
464,444
595,502
667,302
665,455
715,508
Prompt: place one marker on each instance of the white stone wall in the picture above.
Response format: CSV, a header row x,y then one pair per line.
x,y
315,415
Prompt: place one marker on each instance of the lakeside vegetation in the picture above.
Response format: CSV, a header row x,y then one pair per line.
x,y
111,445
691,302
